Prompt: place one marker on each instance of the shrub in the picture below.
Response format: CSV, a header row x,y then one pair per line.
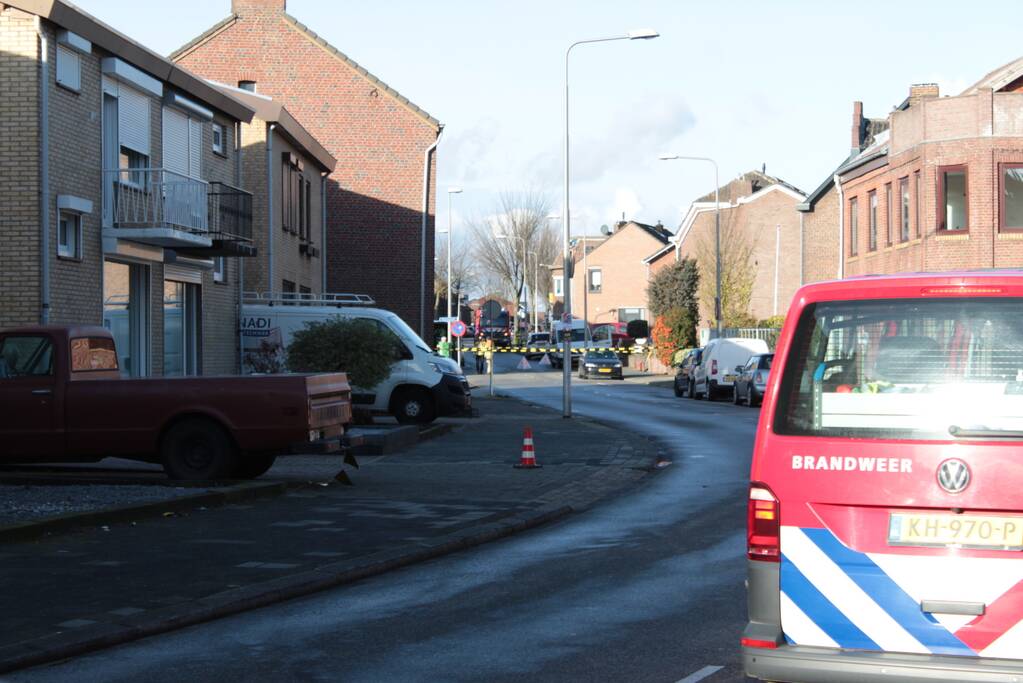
x,y
673,331
360,348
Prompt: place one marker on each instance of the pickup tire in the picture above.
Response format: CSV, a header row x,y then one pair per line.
x,y
254,466
198,449
413,405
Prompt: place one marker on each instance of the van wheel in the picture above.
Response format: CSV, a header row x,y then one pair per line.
x,y
254,466
678,389
414,406
735,395
691,389
197,449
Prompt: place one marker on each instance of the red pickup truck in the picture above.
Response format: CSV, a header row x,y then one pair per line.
x,y
62,399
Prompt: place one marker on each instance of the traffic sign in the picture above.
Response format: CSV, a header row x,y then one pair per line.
x,y
457,328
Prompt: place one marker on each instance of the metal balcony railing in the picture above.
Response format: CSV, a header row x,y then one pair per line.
x,y
155,198
230,213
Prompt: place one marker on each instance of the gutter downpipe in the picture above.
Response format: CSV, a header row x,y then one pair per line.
x,y
241,261
841,228
270,206
422,235
802,250
323,229
44,174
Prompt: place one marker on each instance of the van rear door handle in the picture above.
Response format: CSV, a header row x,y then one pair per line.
x,y
953,607
42,392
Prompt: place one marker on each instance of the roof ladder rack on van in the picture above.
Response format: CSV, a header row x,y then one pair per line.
x,y
338,299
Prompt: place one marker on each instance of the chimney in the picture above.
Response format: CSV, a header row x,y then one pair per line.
x,y
859,127
921,91
249,7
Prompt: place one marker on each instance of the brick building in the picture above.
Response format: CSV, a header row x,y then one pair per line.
x,y
611,288
286,169
382,142
942,187
556,297
757,214
119,199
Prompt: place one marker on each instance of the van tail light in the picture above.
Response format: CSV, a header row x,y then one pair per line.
x,y
756,642
763,525
759,379
714,366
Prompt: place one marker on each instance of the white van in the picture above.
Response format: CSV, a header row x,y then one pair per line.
x,y
421,386
716,373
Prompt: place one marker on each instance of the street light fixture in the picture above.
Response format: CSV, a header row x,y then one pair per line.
x,y
451,191
717,233
638,34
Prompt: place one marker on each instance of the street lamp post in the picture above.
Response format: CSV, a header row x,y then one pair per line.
x,y
717,234
451,191
566,223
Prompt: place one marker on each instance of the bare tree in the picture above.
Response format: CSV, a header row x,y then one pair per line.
x,y
737,272
508,240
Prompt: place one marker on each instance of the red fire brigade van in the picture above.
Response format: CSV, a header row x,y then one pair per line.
x,y
885,523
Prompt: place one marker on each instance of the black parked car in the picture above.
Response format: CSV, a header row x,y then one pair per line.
x,y
603,363
684,372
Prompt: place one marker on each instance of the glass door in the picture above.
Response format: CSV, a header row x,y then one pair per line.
x,y
126,314
181,348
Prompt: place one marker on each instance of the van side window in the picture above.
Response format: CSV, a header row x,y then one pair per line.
x,y
903,368
26,357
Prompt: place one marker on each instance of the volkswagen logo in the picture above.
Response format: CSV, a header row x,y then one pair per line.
x,y
953,475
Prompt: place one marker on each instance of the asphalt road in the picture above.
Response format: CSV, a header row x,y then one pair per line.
x,y
647,587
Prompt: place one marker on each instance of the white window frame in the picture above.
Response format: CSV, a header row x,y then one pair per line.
x,y
219,269
559,285
69,249
219,138
69,69
595,285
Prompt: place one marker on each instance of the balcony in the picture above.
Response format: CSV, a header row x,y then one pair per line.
x,y
162,208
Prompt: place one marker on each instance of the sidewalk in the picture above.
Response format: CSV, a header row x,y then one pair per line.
x,y
70,594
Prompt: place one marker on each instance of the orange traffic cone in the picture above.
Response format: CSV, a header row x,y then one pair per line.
x,y
528,461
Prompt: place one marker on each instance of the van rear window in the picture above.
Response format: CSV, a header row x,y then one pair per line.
x,y
902,368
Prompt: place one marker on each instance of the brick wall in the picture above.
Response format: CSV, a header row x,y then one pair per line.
x,y
375,194
19,169
820,239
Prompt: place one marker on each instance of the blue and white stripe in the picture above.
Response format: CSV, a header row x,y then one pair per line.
x,y
833,596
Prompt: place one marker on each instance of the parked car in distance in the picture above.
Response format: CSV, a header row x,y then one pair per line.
x,y
684,372
601,363
884,515
63,400
537,340
749,386
714,376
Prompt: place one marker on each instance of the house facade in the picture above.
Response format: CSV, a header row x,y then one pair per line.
x,y
120,199
758,221
380,195
609,286
286,169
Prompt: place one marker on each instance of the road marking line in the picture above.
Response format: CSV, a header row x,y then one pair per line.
x,y
701,674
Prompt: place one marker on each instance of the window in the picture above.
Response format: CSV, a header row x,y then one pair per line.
x,y
181,328
952,198
133,167
219,269
1010,213
219,139
69,68
903,368
872,201
916,201
293,196
888,214
308,210
288,289
559,285
904,209
594,278
89,354
302,215
26,357
247,85
69,235
626,315
854,226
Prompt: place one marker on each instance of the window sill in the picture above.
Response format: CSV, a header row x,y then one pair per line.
x,y
952,235
70,259
222,155
68,88
1010,234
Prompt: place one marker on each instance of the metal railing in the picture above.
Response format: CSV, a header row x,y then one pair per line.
x,y
768,334
230,212
155,198
307,299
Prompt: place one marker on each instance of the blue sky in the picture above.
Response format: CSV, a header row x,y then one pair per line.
x,y
748,83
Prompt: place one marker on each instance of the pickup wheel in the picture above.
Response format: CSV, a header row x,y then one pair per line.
x,y
198,449
254,466
413,406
